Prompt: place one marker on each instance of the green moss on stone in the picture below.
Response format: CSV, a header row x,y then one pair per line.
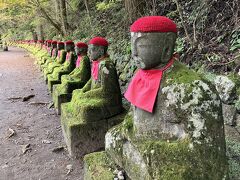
x,y
179,73
97,167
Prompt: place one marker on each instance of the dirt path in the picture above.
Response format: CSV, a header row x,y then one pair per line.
x,y
33,124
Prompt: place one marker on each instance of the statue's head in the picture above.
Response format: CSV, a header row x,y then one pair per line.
x,y
49,43
60,46
69,46
81,48
54,44
40,41
153,40
97,48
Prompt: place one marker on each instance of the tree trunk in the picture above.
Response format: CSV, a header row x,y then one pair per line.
x,y
135,8
40,30
64,16
86,3
34,35
57,9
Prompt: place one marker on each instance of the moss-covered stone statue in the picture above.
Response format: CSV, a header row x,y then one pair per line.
x,y
56,53
45,56
174,129
75,80
66,68
59,61
93,108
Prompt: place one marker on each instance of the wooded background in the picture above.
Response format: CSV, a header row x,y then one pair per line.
x,y
209,31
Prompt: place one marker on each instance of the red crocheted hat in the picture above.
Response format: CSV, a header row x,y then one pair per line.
x,y
81,45
69,42
60,43
99,41
154,24
54,42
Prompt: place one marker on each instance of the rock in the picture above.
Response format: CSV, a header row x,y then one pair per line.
x,y
226,89
69,168
46,142
26,148
238,120
120,175
12,132
229,114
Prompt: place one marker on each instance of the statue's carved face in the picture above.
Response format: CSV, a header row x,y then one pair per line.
x,y
54,45
69,47
80,51
96,52
152,50
60,46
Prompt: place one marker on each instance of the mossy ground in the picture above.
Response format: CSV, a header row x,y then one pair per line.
x,y
98,167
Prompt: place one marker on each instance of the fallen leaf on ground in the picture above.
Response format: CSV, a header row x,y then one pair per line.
x,y
38,103
58,149
11,132
69,168
28,97
25,148
14,98
50,105
46,142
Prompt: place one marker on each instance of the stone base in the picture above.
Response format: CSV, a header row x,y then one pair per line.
x,y
59,99
153,159
51,83
97,167
83,138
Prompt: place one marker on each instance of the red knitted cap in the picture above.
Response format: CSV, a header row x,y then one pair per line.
x,y
81,45
154,24
60,43
54,42
99,41
69,42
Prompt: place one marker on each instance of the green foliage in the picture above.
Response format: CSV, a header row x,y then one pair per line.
x,y
101,6
179,45
213,57
235,40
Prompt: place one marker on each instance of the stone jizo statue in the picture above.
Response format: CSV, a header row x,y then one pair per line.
x,y
65,68
175,128
75,80
85,119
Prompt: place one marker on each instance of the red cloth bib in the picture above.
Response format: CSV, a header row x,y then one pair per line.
x,y
94,69
143,89
53,52
78,61
59,54
68,56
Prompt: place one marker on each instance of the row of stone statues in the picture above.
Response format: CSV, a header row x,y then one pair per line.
x,y
174,129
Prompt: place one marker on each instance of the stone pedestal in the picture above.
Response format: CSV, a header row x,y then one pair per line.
x,y
146,159
86,137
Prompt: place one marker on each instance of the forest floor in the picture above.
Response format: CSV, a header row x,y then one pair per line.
x,y
31,140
